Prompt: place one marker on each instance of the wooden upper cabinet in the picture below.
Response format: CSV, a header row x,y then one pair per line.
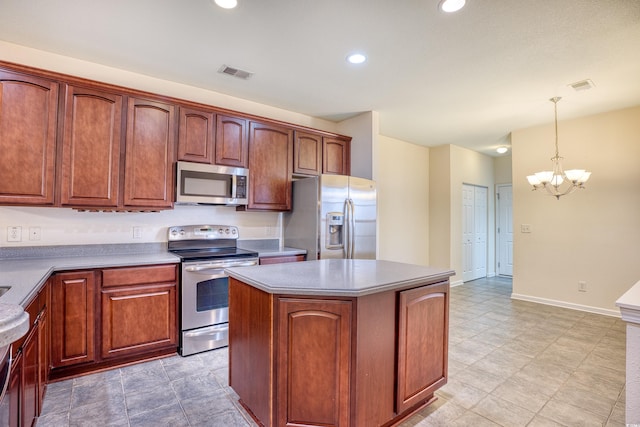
x,y
196,135
307,153
336,156
91,148
270,158
28,120
149,147
232,145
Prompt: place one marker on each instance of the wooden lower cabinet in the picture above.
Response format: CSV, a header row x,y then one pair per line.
x,y
73,318
104,318
139,318
422,343
22,402
314,349
282,259
334,361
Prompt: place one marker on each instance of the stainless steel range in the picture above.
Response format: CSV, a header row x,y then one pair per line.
x,y
206,250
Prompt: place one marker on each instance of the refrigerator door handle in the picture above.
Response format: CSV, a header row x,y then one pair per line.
x,y
352,230
347,231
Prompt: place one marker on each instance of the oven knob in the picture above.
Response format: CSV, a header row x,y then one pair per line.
x,y
219,230
226,231
182,233
174,232
233,231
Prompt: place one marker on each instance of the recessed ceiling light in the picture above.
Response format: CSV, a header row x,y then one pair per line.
x,y
450,6
226,4
502,150
356,58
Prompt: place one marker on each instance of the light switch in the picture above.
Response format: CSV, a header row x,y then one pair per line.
x,y
525,228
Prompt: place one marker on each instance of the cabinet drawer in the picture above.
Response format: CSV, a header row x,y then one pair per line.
x,y
139,275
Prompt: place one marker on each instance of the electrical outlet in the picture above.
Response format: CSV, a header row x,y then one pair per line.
x,y
582,286
525,228
34,233
14,234
137,232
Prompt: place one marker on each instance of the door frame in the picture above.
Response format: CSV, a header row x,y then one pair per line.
x,y
498,235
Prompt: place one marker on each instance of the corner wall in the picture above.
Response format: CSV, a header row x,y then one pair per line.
x,y
591,235
403,212
450,167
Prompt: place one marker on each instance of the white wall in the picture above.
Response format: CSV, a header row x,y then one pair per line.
x,y
403,213
451,167
363,130
592,235
63,226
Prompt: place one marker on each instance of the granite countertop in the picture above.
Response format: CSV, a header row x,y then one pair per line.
x,y
337,277
27,272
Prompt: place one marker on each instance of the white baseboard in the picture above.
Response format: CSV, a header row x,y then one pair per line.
x,y
564,304
456,283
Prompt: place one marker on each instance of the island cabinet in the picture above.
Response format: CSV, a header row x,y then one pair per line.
x,y
28,120
270,159
336,358
282,259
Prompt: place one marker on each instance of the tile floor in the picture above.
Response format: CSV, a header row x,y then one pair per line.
x,y
511,363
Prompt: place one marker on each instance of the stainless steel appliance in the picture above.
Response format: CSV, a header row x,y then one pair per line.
x,y
333,216
198,183
206,250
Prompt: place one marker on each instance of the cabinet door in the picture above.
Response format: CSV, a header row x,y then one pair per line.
x,y
270,158
10,403
43,356
149,146
30,372
423,327
313,362
195,139
307,154
91,148
336,156
232,145
136,319
28,112
72,318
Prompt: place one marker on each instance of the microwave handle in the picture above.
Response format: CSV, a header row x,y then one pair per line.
x,y
234,184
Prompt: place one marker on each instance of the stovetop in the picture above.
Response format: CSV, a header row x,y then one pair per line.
x,y
198,242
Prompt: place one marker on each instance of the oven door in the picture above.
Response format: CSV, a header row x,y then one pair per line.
x,y
205,304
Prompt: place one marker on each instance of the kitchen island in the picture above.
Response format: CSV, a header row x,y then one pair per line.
x,y
337,342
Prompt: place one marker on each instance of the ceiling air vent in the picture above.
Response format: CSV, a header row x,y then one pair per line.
x,y
583,85
235,72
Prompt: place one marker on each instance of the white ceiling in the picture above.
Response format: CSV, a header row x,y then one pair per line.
x,y
467,78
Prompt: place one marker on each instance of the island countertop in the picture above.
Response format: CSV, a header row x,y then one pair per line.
x,y
337,277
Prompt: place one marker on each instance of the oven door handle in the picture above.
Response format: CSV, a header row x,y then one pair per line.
x,y
218,266
207,332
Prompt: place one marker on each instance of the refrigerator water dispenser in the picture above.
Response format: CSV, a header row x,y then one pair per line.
x,y
335,230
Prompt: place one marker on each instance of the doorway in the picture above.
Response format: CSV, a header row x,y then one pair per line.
x,y
504,229
474,232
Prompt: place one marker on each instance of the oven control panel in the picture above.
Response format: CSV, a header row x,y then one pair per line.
x,y
203,232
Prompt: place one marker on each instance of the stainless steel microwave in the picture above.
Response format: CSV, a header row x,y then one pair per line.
x,y
198,183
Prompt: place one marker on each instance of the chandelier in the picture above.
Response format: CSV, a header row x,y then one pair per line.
x,y
558,182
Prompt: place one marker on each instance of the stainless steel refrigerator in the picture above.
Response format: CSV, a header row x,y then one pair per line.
x,y
333,216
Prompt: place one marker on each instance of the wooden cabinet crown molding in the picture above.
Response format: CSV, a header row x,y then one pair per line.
x,y
75,80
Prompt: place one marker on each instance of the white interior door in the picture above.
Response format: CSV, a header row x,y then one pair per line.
x,y
474,232
505,230
480,232
467,232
